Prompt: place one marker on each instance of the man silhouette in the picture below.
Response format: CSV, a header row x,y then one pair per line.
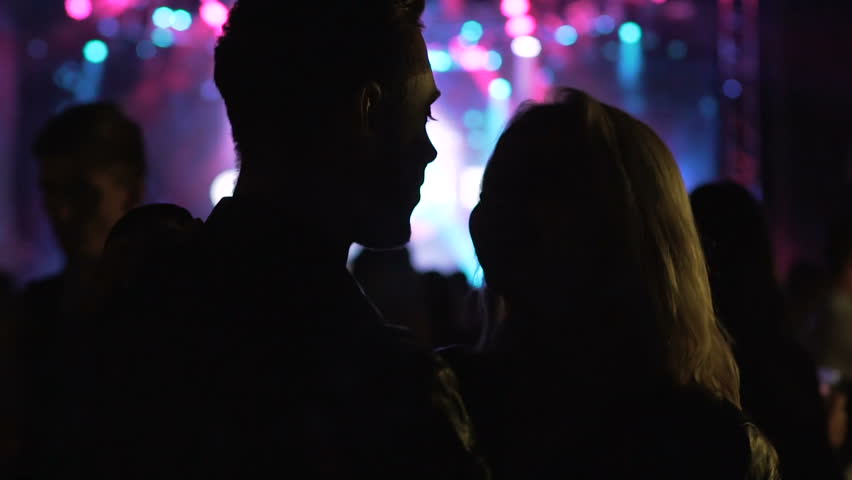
x,y
244,347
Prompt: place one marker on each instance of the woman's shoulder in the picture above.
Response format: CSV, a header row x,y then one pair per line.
x,y
699,435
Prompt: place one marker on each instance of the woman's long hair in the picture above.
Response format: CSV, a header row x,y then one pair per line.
x,y
584,213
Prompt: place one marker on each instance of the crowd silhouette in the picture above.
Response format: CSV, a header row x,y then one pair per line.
x,y
625,329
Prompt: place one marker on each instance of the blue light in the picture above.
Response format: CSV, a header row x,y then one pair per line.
x,y
163,17
162,38
604,25
471,31
96,51
182,20
109,27
209,91
474,118
630,32
677,50
610,51
567,35
708,106
440,60
500,89
478,140
732,88
494,62
146,50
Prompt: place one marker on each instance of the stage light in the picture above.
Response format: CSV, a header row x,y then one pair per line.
x,y
214,13
514,8
526,46
96,51
520,26
78,9
109,27
223,185
604,25
494,61
732,88
473,118
630,32
440,60
182,20
470,182
163,17
472,31
473,58
566,35
146,50
677,50
500,89
162,38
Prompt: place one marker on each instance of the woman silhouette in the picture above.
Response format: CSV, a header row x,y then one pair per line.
x,y
607,360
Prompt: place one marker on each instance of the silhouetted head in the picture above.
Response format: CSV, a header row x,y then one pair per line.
x,y
584,228
91,172
328,102
736,243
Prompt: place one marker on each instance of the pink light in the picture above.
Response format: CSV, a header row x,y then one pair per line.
x,y
473,58
214,13
520,26
514,8
78,9
658,2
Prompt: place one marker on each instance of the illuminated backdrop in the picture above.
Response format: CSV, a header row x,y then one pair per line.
x,y
656,59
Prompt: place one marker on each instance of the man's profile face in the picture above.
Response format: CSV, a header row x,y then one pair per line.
x,y
403,149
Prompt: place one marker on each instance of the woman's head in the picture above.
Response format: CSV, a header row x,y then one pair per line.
x,y
583,213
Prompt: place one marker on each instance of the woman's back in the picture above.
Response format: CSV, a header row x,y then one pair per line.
x,y
607,360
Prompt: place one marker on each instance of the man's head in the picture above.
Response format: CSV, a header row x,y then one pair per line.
x,y
328,102
91,172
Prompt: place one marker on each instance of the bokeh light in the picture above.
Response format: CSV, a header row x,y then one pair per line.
x,y
566,35
473,58
495,61
223,185
677,49
604,25
708,106
440,60
514,8
109,27
146,50
163,17
162,38
78,9
470,182
526,46
473,118
500,89
732,88
214,13
520,25
182,20
630,32
471,31
96,51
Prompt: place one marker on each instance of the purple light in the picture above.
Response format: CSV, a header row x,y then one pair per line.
x,y
514,8
78,9
520,26
214,13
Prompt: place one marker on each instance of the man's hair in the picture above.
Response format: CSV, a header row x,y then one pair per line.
x,y
283,66
96,137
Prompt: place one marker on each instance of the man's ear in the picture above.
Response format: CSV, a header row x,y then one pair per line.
x,y
370,98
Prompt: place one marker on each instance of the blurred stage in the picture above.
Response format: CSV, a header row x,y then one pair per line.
x,y
658,59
